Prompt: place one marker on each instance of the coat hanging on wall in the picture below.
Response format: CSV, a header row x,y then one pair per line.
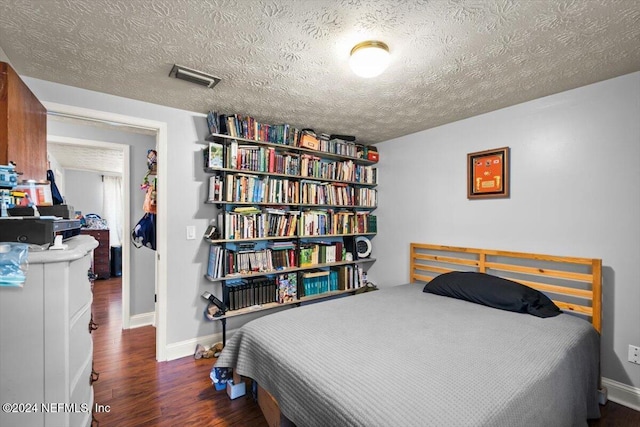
x,y
149,183
55,193
144,233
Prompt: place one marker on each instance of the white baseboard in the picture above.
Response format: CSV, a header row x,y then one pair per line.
x,y
622,393
144,319
188,347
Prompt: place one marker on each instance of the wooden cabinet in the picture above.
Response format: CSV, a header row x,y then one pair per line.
x,y
46,362
23,127
101,266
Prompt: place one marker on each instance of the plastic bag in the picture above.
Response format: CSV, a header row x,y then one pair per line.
x,y
95,222
220,377
144,233
13,264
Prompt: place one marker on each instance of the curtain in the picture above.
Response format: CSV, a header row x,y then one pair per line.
x,y
112,208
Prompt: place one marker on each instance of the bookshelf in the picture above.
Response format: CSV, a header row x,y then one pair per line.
x,y
286,222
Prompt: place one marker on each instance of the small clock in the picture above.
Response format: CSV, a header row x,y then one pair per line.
x,y
363,247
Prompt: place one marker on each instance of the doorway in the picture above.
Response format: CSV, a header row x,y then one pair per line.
x,y
81,168
159,131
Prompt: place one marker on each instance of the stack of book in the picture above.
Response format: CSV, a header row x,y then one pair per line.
x,y
247,127
313,253
215,263
365,174
365,222
367,197
287,287
249,292
319,282
283,254
248,261
349,277
215,189
246,188
214,156
322,193
339,146
327,222
249,222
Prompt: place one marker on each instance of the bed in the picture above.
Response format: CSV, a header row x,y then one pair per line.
x,y
403,357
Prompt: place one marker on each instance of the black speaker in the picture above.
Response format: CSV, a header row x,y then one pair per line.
x,y
116,261
363,247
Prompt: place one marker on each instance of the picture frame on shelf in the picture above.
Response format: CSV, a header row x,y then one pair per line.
x,y
488,174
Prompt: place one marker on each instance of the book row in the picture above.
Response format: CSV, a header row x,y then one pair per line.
x,y
245,188
285,288
266,159
246,259
346,170
247,293
313,253
224,262
251,158
255,189
321,193
247,127
321,222
335,279
249,222
319,282
237,125
242,293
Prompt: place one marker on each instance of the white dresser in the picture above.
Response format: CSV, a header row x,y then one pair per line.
x,y
46,347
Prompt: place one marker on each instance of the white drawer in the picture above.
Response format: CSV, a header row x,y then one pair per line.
x,y
80,345
79,285
82,396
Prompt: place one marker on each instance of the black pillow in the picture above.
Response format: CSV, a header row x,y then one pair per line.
x,y
492,291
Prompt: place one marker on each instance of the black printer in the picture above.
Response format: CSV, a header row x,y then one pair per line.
x,y
37,230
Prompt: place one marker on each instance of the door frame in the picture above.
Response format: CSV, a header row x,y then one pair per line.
x,y
126,212
160,130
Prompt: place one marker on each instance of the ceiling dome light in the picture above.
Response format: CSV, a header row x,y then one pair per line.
x,y
369,58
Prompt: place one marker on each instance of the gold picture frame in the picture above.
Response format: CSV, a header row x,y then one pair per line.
x,y
488,174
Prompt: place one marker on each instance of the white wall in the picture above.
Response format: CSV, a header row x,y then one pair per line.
x,y
575,190
84,191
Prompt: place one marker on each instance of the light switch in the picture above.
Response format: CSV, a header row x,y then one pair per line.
x,y
191,232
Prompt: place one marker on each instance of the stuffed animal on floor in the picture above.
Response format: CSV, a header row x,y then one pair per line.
x,y
203,353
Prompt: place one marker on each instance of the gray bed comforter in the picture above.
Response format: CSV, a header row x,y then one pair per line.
x,y
401,357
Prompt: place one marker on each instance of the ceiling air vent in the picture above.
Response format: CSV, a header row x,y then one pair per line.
x,y
193,76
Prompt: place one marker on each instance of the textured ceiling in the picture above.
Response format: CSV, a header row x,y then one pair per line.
x,y
80,157
286,60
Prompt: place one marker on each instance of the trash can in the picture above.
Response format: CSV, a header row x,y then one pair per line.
x,y
116,261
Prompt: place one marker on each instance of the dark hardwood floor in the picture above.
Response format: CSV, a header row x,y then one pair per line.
x,y
142,392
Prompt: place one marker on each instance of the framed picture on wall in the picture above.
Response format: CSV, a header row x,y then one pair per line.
x,y
488,174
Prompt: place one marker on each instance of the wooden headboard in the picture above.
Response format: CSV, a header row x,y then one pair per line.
x,y
574,284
